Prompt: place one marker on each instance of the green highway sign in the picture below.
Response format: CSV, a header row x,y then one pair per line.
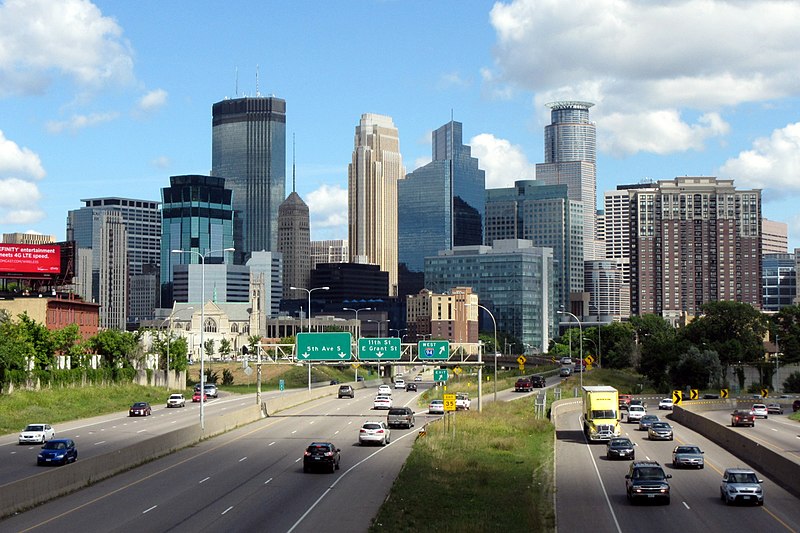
x,y
334,346
379,349
433,349
440,374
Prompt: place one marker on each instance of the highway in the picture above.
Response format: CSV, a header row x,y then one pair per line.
x,y
250,479
777,432
591,490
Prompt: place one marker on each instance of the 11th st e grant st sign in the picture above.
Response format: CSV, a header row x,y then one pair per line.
x,y
334,346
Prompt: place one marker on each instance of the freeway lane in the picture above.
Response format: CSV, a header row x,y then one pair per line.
x,y
588,483
777,432
250,479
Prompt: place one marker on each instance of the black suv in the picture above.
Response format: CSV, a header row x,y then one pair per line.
x,y
323,455
346,390
538,381
646,480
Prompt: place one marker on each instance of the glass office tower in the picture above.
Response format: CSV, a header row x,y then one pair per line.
x,y
248,149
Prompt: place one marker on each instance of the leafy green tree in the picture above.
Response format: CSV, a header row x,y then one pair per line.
x,y
657,348
792,383
15,347
116,348
42,340
618,345
178,354
696,369
253,342
225,348
209,348
785,326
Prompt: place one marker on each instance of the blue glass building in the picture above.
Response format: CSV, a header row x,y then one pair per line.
x,y
778,281
440,205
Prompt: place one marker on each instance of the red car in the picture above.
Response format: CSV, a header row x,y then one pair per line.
x,y
196,397
140,409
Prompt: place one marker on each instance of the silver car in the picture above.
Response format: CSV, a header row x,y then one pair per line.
x,y
741,485
685,455
374,433
659,431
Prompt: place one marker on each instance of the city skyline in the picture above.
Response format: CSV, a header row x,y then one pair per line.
x,y
130,104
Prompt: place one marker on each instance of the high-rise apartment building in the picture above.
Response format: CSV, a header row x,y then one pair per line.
x,y
441,204
545,215
694,240
294,243
452,316
774,237
570,157
197,216
329,251
248,149
110,268
372,195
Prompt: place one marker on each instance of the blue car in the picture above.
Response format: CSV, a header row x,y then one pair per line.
x,y
58,452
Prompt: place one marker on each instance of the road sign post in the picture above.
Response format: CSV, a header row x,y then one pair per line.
x,y
333,346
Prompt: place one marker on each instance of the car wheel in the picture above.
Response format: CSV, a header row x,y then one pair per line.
x,y
337,465
333,468
760,503
305,469
702,466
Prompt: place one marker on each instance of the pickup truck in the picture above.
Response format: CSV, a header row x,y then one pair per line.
x,y
523,385
743,417
462,401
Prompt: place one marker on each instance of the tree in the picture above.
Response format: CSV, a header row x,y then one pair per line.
x,y
696,369
785,326
657,348
41,339
792,383
225,348
116,348
209,348
618,345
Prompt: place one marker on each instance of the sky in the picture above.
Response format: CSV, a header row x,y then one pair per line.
x,y
111,98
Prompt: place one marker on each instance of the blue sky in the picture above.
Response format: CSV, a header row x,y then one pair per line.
x,y
111,98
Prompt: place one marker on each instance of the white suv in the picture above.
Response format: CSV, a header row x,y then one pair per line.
x,y
176,400
636,412
399,384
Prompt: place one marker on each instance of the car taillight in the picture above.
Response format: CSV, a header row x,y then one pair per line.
x,y
379,431
328,454
307,453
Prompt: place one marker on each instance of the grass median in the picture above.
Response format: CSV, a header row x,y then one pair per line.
x,y
487,471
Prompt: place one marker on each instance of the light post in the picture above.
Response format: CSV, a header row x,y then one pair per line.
x,y
494,322
580,329
359,329
202,258
380,325
169,334
309,291
398,332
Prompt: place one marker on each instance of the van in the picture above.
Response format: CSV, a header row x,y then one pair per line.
x,y
400,416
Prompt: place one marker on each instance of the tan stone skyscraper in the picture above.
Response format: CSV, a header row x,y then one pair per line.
x,y
372,195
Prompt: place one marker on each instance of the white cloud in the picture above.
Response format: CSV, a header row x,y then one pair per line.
x,y
15,161
18,202
327,207
645,60
453,79
152,101
42,38
773,164
503,162
78,122
161,162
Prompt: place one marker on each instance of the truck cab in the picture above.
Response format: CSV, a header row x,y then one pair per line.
x,y
600,413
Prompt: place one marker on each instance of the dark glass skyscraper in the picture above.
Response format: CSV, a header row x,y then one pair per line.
x,y
248,149
441,204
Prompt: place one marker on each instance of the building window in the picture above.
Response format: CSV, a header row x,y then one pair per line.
x,y
210,326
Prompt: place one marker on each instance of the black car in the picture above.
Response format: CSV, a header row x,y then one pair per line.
x,y
620,448
646,480
410,386
57,452
346,390
324,455
538,381
140,409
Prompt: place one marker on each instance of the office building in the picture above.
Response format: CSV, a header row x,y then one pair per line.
x,y
329,251
441,204
774,237
294,243
778,281
28,238
570,147
224,282
248,149
694,240
603,283
197,216
372,195
452,315
545,215
349,281
512,278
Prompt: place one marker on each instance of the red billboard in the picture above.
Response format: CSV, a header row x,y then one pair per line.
x,y
35,259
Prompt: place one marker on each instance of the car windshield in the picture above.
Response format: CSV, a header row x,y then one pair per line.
x,y
687,449
53,445
34,428
651,472
620,443
604,413
659,425
140,404
743,478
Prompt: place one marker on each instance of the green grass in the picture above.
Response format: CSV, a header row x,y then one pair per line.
x,y
52,406
490,471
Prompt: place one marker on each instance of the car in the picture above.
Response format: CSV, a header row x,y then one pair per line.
x,y
57,451
710,396
399,383
37,434
382,401
140,409
635,413
538,381
795,406
578,368
346,390
401,416
686,455
324,455
359,378
759,410
418,378
624,400
636,401
646,420
660,431
665,404
774,409
211,390
176,400
646,480
196,397
411,387
523,385
385,389
565,372
743,417
463,402
436,407
374,433
620,448
566,360
741,485
334,382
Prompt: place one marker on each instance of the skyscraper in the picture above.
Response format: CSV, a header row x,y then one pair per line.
x,y
441,204
248,149
294,243
372,195
570,157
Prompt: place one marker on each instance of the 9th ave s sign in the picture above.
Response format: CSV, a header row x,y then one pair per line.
x,y
324,347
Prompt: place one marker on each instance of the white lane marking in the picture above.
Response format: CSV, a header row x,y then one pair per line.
x,y
686,505
293,432
228,509
141,431
336,433
311,422
267,481
299,459
101,442
204,480
242,459
773,429
647,457
271,443
600,479
150,509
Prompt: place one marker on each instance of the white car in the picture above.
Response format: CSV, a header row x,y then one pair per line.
x,y
374,432
418,378
37,434
385,389
382,401
759,410
636,412
436,407
665,403
176,400
399,384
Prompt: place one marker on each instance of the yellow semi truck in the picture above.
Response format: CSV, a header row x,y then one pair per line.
x,y
600,412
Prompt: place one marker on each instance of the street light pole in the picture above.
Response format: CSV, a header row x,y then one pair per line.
x,y
202,258
169,335
359,329
580,329
309,291
494,322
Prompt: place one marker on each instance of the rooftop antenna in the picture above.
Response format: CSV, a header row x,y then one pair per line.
x,y
293,164
257,92
237,82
